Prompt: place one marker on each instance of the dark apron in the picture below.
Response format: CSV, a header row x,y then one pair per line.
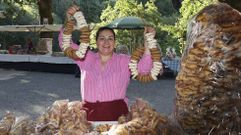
x,y
105,111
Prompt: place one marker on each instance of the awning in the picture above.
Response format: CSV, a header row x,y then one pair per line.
x,y
128,22
30,28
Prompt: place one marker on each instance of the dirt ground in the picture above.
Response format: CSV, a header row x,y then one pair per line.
x,y
31,93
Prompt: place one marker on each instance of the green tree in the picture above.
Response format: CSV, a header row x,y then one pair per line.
x,y
188,9
123,8
29,12
164,6
21,14
44,8
91,9
16,13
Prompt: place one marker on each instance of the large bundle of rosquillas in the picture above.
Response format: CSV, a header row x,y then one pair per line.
x,y
69,118
209,82
6,123
77,19
12,125
64,118
143,120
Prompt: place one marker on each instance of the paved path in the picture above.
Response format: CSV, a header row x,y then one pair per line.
x,y
30,93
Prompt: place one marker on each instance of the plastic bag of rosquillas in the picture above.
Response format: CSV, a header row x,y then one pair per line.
x,y
209,82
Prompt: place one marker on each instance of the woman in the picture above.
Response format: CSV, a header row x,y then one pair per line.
x,y
105,76
30,45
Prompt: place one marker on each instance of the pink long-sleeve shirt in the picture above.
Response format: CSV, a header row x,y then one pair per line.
x,y
110,83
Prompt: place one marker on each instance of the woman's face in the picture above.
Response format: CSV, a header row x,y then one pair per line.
x,y
106,42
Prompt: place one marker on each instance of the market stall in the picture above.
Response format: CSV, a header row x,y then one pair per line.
x,y
208,91
30,28
44,45
35,59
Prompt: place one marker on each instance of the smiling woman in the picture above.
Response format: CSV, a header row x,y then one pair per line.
x,y
105,75
105,42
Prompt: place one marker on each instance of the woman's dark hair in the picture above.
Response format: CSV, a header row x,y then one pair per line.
x,y
102,29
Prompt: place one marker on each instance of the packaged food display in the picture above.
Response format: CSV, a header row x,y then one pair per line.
x,y
69,118
208,85
6,123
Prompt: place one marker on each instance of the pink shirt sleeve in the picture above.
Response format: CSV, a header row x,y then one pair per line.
x,y
60,38
145,64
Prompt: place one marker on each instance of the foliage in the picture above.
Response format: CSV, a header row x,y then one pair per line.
x,y
26,13
90,8
156,12
14,8
188,10
17,14
123,8
164,6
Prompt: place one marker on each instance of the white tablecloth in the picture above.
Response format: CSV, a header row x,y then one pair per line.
x,y
35,58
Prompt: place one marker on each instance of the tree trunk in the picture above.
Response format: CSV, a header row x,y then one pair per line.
x,y
45,11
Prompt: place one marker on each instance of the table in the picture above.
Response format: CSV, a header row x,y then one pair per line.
x,y
35,58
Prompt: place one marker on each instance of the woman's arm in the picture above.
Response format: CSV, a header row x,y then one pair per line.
x,y
60,39
65,41
145,64
70,49
81,62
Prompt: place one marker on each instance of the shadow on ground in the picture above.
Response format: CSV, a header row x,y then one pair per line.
x,y
31,93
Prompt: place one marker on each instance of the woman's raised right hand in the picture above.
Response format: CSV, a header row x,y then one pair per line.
x,y
150,30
